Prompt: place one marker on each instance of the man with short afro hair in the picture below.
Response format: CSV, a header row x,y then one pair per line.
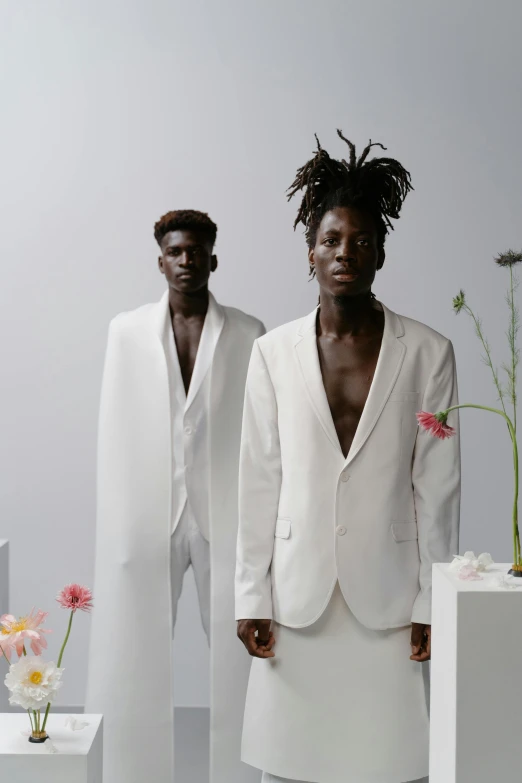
x,y
168,458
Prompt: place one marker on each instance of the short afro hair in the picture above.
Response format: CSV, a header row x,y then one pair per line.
x,y
186,220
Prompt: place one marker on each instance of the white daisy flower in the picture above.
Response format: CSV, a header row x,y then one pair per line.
x,y
33,682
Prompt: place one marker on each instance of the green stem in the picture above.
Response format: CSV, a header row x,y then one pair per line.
x,y
5,656
485,345
30,720
512,337
59,664
516,534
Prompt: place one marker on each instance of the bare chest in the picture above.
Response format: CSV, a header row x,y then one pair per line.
x,y
347,371
187,336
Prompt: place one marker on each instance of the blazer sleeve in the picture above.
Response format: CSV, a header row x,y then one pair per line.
x,y
436,482
259,489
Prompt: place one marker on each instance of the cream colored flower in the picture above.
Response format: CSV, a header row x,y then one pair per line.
x,y
33,682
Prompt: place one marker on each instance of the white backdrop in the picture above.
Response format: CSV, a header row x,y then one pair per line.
x,y
114,112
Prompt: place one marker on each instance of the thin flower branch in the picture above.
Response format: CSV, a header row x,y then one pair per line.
x,y
512,333
59,664
488,361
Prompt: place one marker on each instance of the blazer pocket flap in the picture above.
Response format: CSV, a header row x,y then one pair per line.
x,y
404,531
403,396
282,529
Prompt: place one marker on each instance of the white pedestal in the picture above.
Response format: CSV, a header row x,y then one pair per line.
x,y
4,609
476,678
78,758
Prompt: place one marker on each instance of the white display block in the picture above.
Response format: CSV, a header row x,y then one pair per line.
x,y
476,678
4,609
78,757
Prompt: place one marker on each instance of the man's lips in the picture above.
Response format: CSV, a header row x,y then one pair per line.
x,y
345,277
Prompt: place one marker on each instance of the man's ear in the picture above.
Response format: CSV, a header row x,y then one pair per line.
x,y
160,265
311,259
213,264
382,258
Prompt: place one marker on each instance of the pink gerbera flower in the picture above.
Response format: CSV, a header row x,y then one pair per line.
x,y
14,633
75,597
435,424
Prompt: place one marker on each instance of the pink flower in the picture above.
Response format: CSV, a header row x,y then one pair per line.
x,y
469,573
13,633
75,597
435,424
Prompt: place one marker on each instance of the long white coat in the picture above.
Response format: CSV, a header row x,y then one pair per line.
x,y
130,660
377,520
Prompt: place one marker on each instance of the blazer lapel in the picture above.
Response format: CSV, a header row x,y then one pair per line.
x,y
212,327
386,373
308,359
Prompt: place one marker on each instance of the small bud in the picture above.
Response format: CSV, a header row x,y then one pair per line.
x,y
459,301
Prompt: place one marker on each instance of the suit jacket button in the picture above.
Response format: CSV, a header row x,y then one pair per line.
x,y
344,476
340,530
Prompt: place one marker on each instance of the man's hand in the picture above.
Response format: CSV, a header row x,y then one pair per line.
x,y
420,642
259,646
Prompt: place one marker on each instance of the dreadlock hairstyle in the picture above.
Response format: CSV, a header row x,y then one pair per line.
x,y
185,220
378,186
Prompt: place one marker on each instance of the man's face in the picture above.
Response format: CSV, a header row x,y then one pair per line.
x,y
346,255
186,261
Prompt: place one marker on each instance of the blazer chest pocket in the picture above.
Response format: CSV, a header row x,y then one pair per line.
x,y
282,528
404,531
404,396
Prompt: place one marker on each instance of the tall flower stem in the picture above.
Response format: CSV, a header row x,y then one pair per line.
x,y
512,334
59,664
489,360
516,534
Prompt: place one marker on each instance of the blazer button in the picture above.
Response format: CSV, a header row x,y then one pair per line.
x,y
340,530
344,476
188,430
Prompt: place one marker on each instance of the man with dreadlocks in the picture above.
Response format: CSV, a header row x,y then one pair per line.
x,y
168,457
344,505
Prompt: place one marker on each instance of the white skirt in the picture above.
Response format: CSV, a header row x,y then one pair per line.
x,y
338,704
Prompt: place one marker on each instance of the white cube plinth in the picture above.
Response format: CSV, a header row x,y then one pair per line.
x,y
4,609
78,757
476,678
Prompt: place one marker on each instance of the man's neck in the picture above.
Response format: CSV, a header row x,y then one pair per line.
x,y
188,305
341,316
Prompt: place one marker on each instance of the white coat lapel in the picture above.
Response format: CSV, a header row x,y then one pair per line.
x,y
212,327
387,370
308,359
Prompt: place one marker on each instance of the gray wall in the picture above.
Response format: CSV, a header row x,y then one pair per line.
x,y
114,112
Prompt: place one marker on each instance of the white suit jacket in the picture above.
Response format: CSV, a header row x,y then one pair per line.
x,y
130,652
377,520
190,420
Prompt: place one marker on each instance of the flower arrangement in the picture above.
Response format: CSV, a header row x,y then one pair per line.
x,y
436,423
32,682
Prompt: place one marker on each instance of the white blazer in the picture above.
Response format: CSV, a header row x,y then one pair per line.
x,y
189,420
377,520
130,654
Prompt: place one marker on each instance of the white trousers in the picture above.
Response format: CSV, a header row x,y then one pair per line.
x,y
189,547
268,778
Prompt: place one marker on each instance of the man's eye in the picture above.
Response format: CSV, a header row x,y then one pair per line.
x,y
329,241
